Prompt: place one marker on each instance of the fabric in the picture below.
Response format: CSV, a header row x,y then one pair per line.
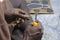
x,y
33,33
18,32
25,31
20,4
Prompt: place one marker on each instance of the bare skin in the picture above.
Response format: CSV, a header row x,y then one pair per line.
x,y
4,30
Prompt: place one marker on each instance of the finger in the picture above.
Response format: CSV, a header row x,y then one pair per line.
x,y
21,11
23,16
26,17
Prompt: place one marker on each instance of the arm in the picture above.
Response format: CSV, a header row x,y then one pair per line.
x,y
4,30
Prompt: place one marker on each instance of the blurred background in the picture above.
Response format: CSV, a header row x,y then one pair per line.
x,y
44,6
50,22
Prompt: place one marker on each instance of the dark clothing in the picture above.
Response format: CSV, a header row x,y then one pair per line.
x,y
20,4
33,33
25,31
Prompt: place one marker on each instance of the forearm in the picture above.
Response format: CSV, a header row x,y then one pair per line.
x,y
4,32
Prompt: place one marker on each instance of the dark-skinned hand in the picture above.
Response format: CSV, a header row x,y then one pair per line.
x,y
12,14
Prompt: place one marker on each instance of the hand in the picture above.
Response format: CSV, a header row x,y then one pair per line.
x,y
12,14
21,13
